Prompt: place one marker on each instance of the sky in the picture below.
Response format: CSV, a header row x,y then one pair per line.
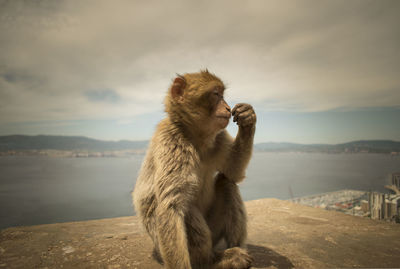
x,y
314,71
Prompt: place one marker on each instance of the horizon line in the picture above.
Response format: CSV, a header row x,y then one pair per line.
x,y
143,140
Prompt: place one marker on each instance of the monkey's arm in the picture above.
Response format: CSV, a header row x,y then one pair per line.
x,y
240,150
176,188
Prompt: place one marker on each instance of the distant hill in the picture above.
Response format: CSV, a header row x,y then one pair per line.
x,y
48,142
372,146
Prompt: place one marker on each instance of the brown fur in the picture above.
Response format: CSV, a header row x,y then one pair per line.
x,y
186,193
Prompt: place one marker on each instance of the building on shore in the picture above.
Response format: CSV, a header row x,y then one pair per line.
x,y
384,206
396,180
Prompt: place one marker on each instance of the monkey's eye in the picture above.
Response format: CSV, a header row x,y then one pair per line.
x,y
214,96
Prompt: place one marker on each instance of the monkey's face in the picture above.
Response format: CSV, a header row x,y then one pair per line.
x,y
213,113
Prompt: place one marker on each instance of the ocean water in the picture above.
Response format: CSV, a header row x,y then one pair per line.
x,y
38,190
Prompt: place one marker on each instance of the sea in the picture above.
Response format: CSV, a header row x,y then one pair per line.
x,y
40,190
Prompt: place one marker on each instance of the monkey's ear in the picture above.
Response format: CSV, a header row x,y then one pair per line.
x,y
178,87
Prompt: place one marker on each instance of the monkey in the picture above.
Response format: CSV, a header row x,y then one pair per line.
x,y
186,193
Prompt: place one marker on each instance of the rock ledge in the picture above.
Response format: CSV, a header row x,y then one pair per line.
x,y
281,235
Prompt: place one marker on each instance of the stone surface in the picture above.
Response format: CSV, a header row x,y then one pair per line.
x,y
281,235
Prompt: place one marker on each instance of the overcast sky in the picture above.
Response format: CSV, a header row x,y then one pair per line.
x,y
315,71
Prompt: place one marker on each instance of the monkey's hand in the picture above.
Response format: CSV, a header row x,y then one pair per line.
x,y
242,146
244,116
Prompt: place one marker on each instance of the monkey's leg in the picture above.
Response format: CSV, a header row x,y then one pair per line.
x,y
227,220
199,240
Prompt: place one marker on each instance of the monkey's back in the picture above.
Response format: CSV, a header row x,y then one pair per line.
x,y
144,194
158,154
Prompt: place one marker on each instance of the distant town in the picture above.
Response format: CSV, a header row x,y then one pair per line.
x,y
374,205
77,146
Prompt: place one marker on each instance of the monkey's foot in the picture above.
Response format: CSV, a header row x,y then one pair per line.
x,y
233,258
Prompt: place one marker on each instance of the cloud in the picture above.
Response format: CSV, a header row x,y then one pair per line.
x,y
302,56
103,95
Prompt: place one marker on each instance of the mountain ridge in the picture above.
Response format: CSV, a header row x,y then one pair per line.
x,y
52,142
56,142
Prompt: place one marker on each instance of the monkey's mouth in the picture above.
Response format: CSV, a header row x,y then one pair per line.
x,y
224,120
224,117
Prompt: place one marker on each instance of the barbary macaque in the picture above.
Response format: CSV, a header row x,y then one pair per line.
x,y
186,194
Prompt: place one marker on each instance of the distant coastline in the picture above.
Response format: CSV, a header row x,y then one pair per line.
x,y
79,146
361,146
73,153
